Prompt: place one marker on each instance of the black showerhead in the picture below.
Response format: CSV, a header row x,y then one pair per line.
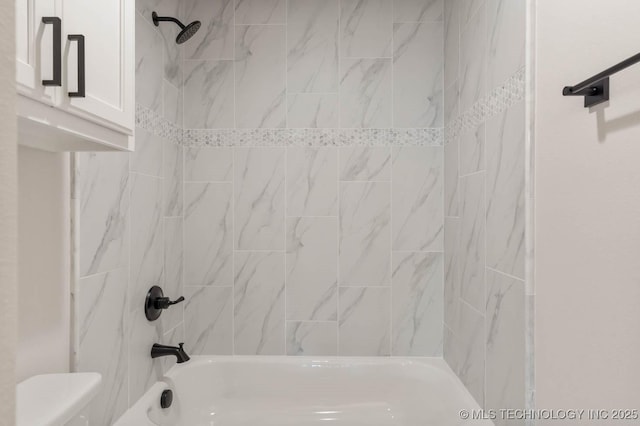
x,y
187,31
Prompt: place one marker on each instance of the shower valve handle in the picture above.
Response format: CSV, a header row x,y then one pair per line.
x,y
165,302
156,302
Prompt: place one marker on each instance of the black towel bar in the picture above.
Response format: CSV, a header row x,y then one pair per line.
x,y
596,89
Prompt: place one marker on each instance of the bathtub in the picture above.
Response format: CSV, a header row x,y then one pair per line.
x,y
291,391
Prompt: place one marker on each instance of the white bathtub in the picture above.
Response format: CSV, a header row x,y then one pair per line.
x,y
272,391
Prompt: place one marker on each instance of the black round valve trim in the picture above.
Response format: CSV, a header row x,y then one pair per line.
x,y
155,302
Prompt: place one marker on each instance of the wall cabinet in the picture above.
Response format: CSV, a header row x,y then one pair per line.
x,y
75,72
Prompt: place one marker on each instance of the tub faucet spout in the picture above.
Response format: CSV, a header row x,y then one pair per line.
x,y
163,350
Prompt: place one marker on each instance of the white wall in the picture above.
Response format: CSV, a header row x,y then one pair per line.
x,y
587,209
43,247
8,210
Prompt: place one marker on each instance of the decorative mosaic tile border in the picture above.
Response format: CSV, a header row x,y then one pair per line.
x,y
314,137
157,125
499,100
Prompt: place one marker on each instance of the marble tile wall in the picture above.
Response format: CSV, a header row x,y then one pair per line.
x,y
314,64
129,231
282,244
314,243
306,250
484,232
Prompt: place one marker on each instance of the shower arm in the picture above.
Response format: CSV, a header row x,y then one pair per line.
x,y
168,19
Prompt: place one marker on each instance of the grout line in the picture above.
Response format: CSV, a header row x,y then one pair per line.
x,y
338,234
462,300
285,236
110,271
513,277
208,286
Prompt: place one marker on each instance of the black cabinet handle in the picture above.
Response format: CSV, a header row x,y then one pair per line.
x,y
57,50
81,67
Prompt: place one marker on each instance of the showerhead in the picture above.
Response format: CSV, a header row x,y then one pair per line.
x,y
187,31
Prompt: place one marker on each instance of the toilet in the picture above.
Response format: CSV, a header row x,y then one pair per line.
x,y
56,399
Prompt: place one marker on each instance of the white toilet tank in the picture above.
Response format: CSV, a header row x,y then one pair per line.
x,y
56,399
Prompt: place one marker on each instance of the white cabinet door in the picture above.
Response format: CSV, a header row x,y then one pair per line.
x,y
108,28
35,49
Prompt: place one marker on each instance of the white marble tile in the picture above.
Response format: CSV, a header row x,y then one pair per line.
x,y
505,191
208,225
173,179
208,164
365,93
450,352
214,40
163,7
366,28
103,333
418,10
103,180
149,69
173,270
365,234
417,75
451,181
364,321
260,12
259,198
312,43
172,53
172,102
417,207
363,163
505,339
451,271
451,41
473,42
312,338
472,239
143,371
470,347
147,158
259,303
312,268
312,110
171,58
451,103
312,187
146,270
260,76
208,315
472,151
147,238
417,304
468,10
209,94
507,28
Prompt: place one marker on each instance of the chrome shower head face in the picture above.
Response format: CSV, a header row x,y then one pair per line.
x,y
188,32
